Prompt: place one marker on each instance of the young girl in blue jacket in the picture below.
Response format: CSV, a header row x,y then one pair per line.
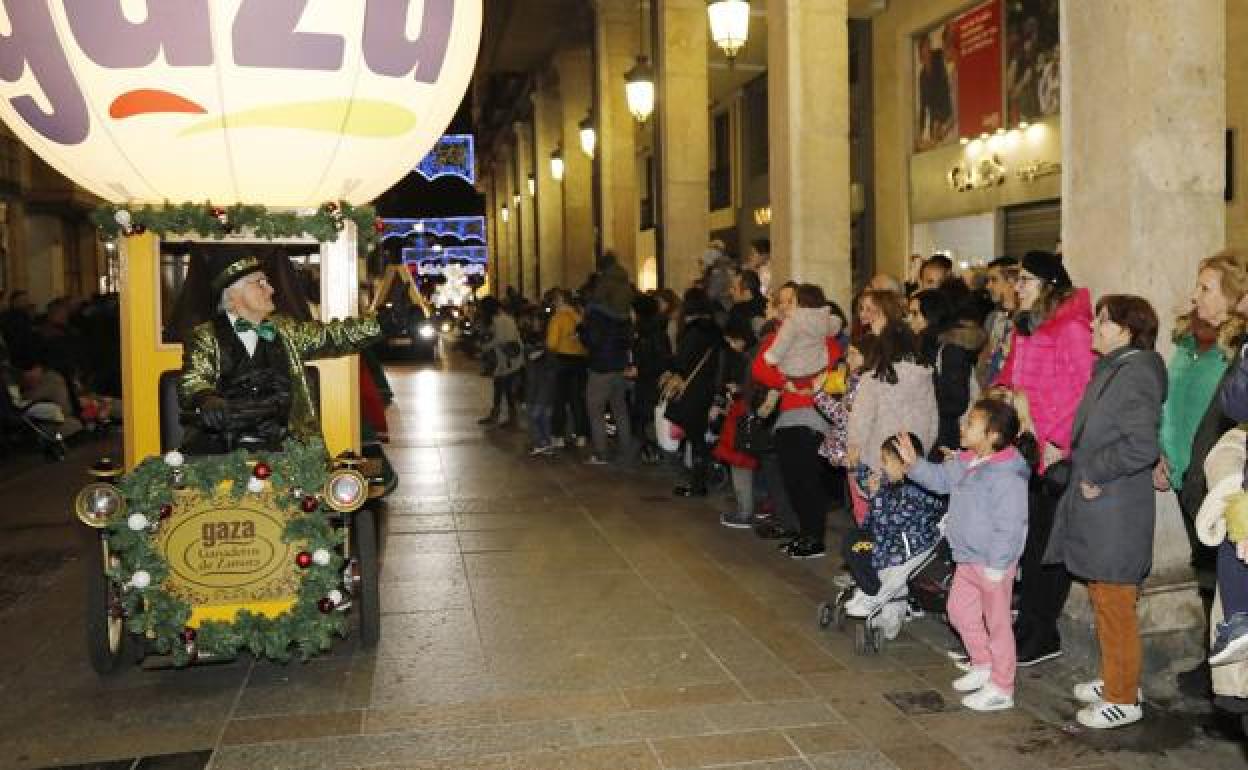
x,y
986,528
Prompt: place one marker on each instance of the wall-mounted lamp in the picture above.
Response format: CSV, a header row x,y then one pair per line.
x,y
532,185
730,25
589,137
556,164
505,214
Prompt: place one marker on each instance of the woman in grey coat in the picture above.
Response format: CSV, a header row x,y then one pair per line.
x,y
1104,527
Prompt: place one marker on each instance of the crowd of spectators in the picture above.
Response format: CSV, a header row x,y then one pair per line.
x,y
61,367
1001,410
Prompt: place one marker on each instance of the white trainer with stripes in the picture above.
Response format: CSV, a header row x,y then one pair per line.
x,y
1094,692
1104,716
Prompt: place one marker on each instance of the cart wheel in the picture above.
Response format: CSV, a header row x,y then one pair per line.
x,y
107,640
366,592
839,615
876,637
826,614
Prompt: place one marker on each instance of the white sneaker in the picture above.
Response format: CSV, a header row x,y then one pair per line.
x,y
892,617
859,605
1094,692
558,443
974,679
989,698
1103,716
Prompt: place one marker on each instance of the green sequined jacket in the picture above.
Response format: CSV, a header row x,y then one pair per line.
x,y
302,341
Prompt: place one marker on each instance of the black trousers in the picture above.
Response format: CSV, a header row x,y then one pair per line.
x,y
571,376
803,472
1044,587
504,387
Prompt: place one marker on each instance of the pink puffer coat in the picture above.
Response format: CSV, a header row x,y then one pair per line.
x,y
1052,366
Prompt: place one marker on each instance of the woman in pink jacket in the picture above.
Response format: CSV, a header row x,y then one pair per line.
x,y
1050,361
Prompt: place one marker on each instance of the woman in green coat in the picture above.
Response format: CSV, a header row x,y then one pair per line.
x,y
1205,341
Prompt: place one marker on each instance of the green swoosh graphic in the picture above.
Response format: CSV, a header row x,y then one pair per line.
x,y
367,118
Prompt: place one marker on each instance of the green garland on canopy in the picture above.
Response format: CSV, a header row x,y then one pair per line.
x,y
217,222
299,472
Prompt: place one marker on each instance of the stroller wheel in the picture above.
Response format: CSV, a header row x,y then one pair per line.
x,y
868,640
826,615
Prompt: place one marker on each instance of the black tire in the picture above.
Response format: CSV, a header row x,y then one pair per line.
x,y
106,637
367,596
826,614
876,637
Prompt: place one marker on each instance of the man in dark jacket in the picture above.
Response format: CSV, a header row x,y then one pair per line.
x,y
607,333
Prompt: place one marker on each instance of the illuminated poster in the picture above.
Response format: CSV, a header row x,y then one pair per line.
x,y
935,83
1033,60
976,45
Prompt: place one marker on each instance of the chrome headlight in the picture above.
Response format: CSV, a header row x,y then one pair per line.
x,y
427,331
346,490
97,502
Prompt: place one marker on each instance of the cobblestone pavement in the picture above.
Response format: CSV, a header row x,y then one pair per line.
x,y
539,613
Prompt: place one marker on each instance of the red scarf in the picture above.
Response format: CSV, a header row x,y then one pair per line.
x,y
1204,333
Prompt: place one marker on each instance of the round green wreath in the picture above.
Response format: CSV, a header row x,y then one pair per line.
x,y
217,222
300,470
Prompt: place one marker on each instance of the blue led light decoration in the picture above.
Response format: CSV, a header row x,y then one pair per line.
x,y
453,155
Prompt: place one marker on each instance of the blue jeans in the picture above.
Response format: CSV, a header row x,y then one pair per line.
x,y
540,416
1232,580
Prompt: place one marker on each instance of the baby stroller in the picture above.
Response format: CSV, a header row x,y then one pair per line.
x,y
25,424
924,587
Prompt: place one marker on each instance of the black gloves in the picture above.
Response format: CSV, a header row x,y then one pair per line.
x,y
214,413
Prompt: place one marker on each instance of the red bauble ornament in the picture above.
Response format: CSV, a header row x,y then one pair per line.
x,y
325,605
262,471
166,510
188,635
379,225
303,559
309,504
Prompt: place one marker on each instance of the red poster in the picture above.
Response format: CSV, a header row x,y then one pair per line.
x,y
977,40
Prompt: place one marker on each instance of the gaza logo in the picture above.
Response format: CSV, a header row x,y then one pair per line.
x,y
262,101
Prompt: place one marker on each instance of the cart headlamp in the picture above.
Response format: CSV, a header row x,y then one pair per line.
x,y
427,331
97,502
345,490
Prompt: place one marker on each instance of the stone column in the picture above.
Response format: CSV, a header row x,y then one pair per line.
x,y
526,218
1141,203
808,124
502,199
493,230
575,67
548,127
683,139
617,35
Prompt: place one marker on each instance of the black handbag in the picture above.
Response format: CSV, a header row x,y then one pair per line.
x,y
754,434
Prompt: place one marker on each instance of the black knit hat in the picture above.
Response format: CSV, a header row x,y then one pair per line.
x,y
1048,267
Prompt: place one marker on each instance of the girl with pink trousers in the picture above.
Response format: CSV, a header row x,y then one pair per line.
x,y
986,527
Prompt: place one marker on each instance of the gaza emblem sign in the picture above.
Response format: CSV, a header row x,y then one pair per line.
x,y
277,102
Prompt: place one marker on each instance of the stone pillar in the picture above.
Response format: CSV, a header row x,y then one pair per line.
x,y
683,140
502,199
808,124
526,214
575,68
1141,203
617,35
493,231
548,128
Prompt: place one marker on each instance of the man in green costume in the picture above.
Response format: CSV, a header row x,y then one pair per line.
x,y
243,371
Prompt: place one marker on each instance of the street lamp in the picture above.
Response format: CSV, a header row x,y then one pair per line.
x,y
639,87
556,164
730,25
589,137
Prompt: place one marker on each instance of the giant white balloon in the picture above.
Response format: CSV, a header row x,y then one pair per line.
x,y
278,102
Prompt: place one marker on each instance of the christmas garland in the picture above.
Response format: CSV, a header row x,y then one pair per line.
x,y
218,222
296,474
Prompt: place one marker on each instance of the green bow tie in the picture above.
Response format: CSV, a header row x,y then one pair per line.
x,y
266,329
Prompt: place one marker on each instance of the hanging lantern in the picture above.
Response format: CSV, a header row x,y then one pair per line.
x,y
589,137
639,88
730,25
556,165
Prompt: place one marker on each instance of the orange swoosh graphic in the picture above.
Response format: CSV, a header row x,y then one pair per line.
x,y
145,101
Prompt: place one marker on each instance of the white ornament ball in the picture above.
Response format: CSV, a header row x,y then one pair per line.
x,y
174,459
321,557
123,218
255,485
141,579
335,596
137,522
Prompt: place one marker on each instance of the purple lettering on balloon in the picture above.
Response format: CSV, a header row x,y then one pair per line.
x,y
34,44
265,36
109,39
387,51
